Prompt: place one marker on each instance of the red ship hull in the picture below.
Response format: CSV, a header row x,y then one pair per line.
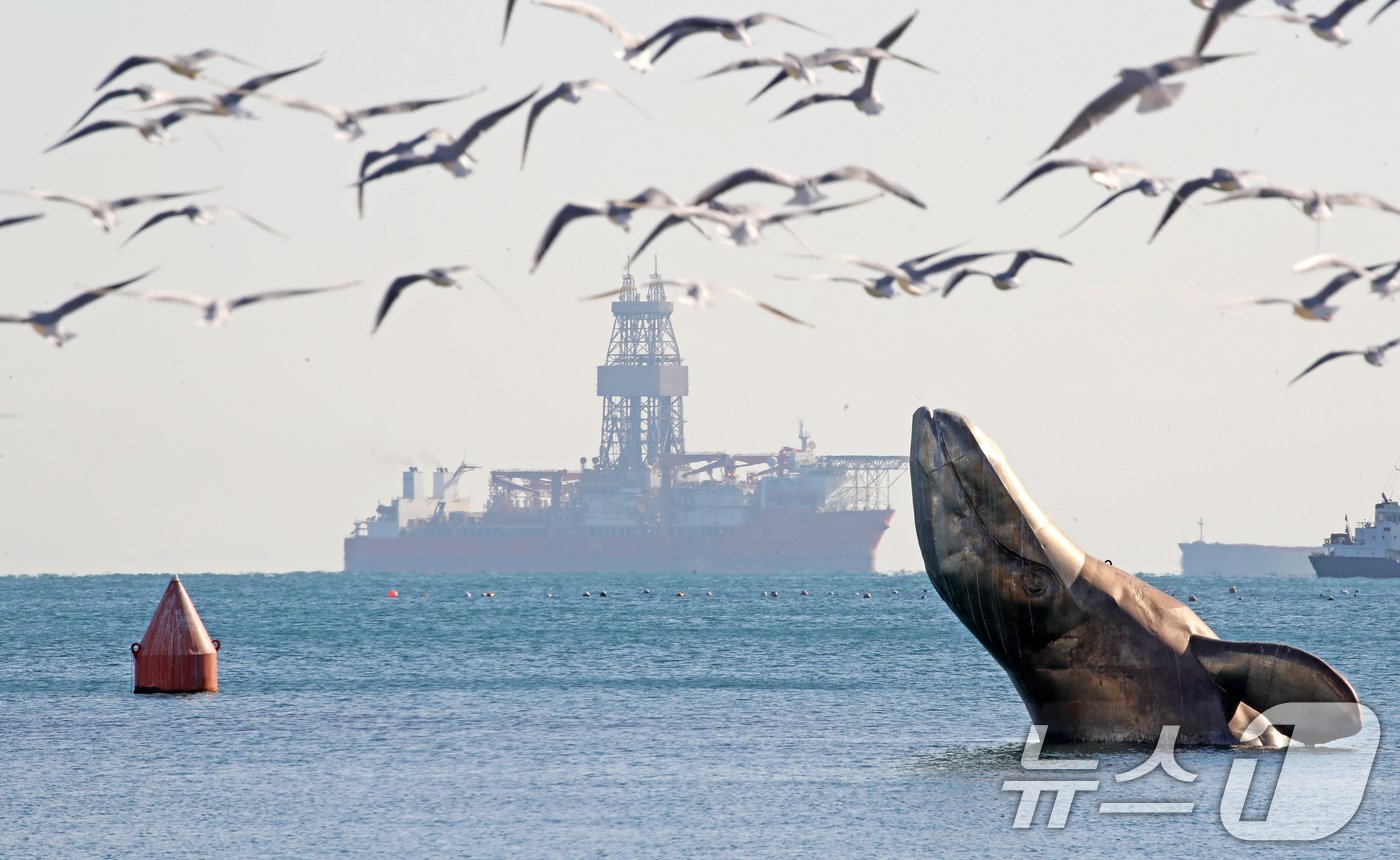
x,y
780,540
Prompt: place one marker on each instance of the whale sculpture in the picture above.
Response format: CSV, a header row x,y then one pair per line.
x,y
1098,655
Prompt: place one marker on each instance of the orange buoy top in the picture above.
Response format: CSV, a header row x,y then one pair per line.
x,y
176,654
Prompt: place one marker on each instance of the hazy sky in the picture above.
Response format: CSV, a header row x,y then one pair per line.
x,y
1128,401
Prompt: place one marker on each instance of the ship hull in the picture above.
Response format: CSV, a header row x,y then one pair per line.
x,y
781,540
1241,559
1342,567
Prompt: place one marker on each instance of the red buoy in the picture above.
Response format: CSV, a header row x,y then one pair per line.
x,y
176,654
393,592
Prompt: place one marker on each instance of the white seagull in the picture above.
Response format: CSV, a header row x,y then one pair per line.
x,y
217,311
185,65
700,294
571,92
596,15
803,67
1326,27
1145,83
451,156
1317,205
1149,186
743,225
199,215
1313,307
1374,355
49,324
864,97
1383,277
733,29
145,92
230,101
1220,10
1220,179
618,211
1008,279
806,190
1109,174
347,122
440,277
906,275
402,149
152,130
104,212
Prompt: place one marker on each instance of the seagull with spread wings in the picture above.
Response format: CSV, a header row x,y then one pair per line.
x,y
1109,174
1148,186
733,29
1327,27
1374,355
185,65
347,122
700,294
49,324
145,92
217,311
618,211
803,67
1006,280
743,224
1317,205
438,277
199,214
1145,83
1383,277
597,16
1315,306
230,101
571,92
152,130
1220,179
451,156
104,212
864,97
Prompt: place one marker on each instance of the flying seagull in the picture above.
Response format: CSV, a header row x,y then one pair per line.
x,y
700,294
104,212
1326,27
733,29
1220,10
803,67
571,92
1220,179
1317,205
402,149
743,225
618,211
145,92
1145,83
1374,355
1313,307
217,311
230,101
1105,173
19,219
347,122
49,324
1383,277
864,97
1149,186
153,130
806,190
199,214
440,277
906,275
186,65
451,156
596,15
1006,280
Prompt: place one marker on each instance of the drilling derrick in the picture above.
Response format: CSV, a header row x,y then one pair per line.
x,y
642,384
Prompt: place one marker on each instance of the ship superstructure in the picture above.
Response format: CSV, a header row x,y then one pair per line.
x,y
644,503
1369,549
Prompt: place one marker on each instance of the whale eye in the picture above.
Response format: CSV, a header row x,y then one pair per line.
x,y
1035,581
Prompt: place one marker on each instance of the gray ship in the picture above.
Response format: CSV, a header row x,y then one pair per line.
x,y
1370,549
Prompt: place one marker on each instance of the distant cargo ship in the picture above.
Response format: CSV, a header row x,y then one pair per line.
x,y
644,504
1371,550
1200,558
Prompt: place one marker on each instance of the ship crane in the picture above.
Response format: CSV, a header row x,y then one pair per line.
x,y
448,486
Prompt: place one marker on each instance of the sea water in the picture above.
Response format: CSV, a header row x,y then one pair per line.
x,y
543,723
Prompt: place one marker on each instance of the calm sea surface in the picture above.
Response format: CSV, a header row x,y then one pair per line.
x,y
628,726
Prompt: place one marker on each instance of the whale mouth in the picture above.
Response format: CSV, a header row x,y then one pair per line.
x,y
965,494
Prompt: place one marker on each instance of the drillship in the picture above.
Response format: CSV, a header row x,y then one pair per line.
x,y
645,503
1371,549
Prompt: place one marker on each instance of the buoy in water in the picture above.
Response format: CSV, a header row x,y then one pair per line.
x,y
602,594
587,594
804,592
1234,590
394,592
866,595
176,654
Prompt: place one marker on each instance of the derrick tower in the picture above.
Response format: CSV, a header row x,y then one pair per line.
x,y
643,382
